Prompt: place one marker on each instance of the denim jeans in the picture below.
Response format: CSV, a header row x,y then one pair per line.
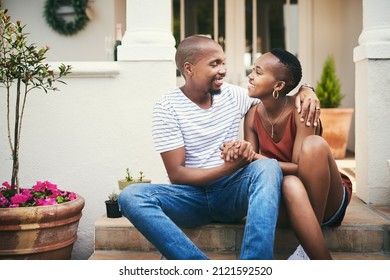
x,y
159,210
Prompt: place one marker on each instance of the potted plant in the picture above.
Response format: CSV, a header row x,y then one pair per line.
x,y
30,215
112,206
336,121
128,180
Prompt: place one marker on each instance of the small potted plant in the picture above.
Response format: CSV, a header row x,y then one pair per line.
x,y
128,180
336,121
112,206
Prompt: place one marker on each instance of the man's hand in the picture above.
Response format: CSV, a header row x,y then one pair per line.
x,y
237,150
308,105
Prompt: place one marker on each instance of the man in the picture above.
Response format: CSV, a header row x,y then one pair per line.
x,y
189,126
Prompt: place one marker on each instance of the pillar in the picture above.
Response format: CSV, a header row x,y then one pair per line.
x,y
372,101
148,33
147,66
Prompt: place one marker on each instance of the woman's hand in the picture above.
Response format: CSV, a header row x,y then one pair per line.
x,y
237,150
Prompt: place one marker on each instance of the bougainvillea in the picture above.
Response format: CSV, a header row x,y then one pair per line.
x,y
41,194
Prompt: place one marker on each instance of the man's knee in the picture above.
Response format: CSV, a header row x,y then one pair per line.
x,y
130,199
268,166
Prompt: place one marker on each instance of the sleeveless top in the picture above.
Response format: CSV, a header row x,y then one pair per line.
x,y
282,150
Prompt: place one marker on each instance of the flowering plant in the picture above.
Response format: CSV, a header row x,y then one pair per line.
x,y
22,70
41,194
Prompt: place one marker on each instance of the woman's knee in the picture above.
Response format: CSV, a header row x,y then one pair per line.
x,y
314,145
292,187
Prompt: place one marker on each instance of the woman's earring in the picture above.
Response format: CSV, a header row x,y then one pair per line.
x,y
275,94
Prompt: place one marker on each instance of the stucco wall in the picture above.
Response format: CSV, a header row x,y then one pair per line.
x,y
336,29
86,45
84,136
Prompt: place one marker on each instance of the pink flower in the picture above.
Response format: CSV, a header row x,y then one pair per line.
x,y
3,201
42,193
27,193
72,196
39,187
46,201
7,185
19,198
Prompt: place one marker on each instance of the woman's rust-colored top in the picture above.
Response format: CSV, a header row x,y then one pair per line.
x,y
282,150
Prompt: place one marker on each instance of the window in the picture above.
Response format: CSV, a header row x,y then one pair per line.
x,y
205,17
270,24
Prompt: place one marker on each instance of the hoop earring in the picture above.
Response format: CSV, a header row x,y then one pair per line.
x,y
275,94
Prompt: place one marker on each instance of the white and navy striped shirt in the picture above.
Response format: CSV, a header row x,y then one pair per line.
x,y
178,122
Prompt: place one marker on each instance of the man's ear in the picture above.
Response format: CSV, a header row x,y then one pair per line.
x,y
188,68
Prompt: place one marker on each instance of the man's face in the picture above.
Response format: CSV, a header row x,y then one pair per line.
x,y
209,70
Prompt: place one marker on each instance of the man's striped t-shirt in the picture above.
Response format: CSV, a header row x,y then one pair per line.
x,y
178,122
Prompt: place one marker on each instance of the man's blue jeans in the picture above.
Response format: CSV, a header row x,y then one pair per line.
x,y
158,210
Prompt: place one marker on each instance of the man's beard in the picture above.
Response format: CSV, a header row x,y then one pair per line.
x,y
214,91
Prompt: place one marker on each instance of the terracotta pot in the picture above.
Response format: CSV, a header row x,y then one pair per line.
x,y
336,124
112,209
40,232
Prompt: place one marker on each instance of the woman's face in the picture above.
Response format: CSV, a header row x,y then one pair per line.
x,y
262,79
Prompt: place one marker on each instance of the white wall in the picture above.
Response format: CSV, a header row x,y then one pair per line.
x,y
86,45
346,18
84,136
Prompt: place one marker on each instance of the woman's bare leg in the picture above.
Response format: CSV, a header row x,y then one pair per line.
x,y
313,197
303,220
319,173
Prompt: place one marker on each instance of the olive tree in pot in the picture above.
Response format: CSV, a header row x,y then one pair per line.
x,y
336,121
28,216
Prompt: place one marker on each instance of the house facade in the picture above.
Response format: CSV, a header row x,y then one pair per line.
x,y
84,137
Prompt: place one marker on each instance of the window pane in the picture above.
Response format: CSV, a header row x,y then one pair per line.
x,y
199,17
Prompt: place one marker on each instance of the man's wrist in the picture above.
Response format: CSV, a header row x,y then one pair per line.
x,y
307,86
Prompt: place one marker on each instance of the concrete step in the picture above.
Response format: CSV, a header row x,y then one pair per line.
x,y
363,234
126,255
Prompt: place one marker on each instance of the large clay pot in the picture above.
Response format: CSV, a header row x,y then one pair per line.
x,y
40,232
337,123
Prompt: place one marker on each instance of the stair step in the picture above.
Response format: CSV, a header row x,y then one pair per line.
x,y
364,232
126,255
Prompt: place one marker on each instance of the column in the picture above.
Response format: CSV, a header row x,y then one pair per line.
x,y
235,41
148,33
146,60
372,101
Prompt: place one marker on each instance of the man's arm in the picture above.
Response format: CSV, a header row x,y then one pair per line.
x,y
178,173
308,105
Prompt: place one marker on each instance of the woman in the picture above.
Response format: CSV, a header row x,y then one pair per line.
x,y
314,192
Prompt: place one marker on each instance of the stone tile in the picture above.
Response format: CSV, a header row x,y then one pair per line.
x,y
360,256
124,255
359,213
383,209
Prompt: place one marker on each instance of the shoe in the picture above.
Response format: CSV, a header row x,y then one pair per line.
x,y
299,254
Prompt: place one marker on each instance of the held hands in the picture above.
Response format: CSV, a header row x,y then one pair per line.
x,y
308,105
240,152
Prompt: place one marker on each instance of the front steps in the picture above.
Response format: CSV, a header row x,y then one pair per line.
x,y
364,234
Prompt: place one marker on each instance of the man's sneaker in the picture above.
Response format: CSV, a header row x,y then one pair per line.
x,y
299,254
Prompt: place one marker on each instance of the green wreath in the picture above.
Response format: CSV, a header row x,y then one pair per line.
x,y
58,23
